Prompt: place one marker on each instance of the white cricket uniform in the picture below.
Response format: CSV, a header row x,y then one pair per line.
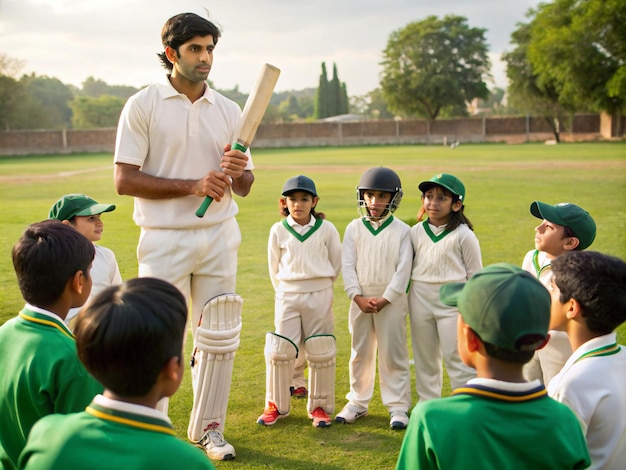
x,y
547,361
104,273
304,262
376,262
168,136
440,257
593,384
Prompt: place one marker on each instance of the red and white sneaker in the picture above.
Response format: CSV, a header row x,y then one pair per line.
x,y
270,415
300,392
320,418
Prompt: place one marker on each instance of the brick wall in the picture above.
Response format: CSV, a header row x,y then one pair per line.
x,y
317,134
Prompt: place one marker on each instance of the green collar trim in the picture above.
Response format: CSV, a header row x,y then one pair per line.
x,y
374,231
539,269
602,351
302,238
433,237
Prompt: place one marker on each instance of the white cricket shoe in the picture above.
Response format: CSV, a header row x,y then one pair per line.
x,y
216,447
350,413
398,420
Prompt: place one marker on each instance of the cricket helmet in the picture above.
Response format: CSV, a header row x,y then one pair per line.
x,y
379,179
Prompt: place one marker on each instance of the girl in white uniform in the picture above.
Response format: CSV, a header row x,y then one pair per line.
x,y
446,250
304,257
376,260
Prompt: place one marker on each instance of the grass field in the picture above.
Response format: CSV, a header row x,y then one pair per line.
x,y
501,181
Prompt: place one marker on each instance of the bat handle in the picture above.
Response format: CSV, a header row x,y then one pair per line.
x,y
208,199
204,206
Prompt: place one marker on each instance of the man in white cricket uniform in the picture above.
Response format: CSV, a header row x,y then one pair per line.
x,y
172,150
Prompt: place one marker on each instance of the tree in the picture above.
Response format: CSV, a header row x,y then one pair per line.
x,y
53,97
332,96
10,67
579,47
527,93
103,111
96,88
321,99
372,104
434,64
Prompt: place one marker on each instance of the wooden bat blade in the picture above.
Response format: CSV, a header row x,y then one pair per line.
x,y
251,116
256,104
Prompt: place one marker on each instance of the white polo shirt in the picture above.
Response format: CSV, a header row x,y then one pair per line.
x,y
593,384
168,136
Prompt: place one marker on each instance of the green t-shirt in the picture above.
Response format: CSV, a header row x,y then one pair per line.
x,y
40,374
482,427
109,437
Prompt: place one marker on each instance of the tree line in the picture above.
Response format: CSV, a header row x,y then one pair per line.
x,y
569,56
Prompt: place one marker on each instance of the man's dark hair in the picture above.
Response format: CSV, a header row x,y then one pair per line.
x,y
127,333
598,283
181,28
46,257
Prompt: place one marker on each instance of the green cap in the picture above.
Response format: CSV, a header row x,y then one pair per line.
x,y
299,183
72,205
568,215
450,182
505,305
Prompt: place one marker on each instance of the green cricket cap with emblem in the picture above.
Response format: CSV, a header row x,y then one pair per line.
x,y
299,183
505,305
72,205
568,215
450,182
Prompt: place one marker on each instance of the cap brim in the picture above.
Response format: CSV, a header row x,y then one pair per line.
x,y
302,190
96,209
426,185
541,210
449,293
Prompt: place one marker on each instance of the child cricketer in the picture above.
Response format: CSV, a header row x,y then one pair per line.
x,y
498,419
131,338
589,303
564,227
41,373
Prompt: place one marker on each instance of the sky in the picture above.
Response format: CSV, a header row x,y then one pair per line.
x,y
117,40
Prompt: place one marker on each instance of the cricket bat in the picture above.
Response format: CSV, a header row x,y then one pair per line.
x,y
251,117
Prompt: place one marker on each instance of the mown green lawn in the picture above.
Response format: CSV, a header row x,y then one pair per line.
x,y
501,181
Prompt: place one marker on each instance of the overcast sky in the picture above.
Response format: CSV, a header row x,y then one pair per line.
x,y
117,40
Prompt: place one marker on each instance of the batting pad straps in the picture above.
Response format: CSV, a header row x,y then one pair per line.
x,y
218,342
320,348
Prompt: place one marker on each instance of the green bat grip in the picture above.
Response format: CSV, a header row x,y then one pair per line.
x,y
208,199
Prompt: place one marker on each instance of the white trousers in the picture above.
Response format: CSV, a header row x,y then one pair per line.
x,y
433,337
300,315
383,332
201,262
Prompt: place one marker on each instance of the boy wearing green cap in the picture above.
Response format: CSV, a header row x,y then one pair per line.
x,y
589,303
498,419
565,227
83,213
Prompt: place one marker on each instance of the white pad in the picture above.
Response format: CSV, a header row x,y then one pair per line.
x,y
280,356
321,353
215,341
